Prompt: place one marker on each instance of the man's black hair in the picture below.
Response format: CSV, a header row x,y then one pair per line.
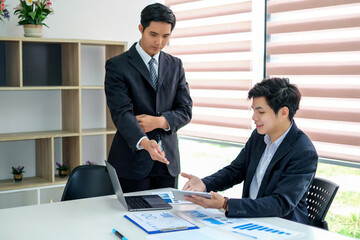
x,y
278,93
157,12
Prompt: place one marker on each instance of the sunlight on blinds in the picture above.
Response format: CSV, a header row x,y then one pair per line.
x,y
215,41
317,45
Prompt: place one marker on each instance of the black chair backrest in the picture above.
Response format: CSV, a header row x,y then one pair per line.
x,y
87,181
320,196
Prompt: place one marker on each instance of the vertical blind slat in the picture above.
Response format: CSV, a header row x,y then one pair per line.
x,y
216,29
332,45
235,8
175,2
286,5
334,22
314,68
222,47
220,84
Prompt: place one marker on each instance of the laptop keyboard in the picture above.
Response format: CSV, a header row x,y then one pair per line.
x,y
137,202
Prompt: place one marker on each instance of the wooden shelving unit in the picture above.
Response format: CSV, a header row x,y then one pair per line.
x,y
36,66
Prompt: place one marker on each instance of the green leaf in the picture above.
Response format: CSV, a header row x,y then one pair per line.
x,y
32,15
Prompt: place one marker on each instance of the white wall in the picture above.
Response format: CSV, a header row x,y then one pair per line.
x,y
92,19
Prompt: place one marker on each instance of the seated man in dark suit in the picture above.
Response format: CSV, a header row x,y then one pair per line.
x,y
277,164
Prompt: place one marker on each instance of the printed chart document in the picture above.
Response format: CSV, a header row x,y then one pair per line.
x,y
258,230
244,228
160,222
212,217
204,233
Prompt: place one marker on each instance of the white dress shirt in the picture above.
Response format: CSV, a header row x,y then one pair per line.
x,y
146,57
264,162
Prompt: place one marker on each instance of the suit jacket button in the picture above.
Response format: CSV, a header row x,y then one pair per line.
x,y
240,212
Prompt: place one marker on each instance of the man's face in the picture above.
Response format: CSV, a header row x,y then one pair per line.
x,y
265,119
155,37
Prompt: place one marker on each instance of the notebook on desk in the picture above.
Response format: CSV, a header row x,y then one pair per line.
x,y
135,203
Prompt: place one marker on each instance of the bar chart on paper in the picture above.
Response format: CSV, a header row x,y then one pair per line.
x,y
256,230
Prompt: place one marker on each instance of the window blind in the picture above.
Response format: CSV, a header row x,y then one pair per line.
x,y
316,43
214,39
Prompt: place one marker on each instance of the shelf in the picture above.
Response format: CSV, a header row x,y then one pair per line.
x,y
39,88
98,131
36,135
61,180
30,182
53,109
92,87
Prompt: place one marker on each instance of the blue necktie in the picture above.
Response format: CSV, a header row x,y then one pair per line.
x,y
153,72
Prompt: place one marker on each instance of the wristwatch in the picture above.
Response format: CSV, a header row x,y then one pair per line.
x,y
224,208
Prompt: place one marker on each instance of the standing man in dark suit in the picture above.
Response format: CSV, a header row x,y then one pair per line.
x,y
277,164
149,101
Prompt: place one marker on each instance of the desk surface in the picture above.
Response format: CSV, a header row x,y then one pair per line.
x,y
94,218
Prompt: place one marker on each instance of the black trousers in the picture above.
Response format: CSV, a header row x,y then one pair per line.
x,y
159,177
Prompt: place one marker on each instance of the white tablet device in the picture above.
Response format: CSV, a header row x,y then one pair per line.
x,y
179,194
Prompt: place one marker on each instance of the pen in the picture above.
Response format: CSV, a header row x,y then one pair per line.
x,y
119,234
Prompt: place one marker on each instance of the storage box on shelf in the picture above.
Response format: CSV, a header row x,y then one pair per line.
x,y
52,98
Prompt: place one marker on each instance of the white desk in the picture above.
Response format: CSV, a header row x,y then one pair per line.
x,y
94,218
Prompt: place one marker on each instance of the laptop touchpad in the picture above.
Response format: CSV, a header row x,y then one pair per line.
x,y
155,200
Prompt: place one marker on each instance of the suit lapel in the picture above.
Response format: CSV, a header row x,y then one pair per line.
x,y
283,149
254,162
163,68
136,61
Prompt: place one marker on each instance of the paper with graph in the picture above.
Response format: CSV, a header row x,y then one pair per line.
x,y
241,226
261,231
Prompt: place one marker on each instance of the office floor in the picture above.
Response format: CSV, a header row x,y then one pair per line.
x,y
202,158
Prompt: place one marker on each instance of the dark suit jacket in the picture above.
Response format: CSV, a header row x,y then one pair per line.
x,y
129,92
283,190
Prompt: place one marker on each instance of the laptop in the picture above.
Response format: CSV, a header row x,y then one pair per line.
x,y
135,203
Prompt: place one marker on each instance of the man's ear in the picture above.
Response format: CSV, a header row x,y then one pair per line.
x,y
284,111
141,28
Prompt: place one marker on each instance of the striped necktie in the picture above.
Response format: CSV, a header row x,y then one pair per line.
x,y
153,72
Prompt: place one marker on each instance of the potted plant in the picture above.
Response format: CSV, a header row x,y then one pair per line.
x,y
18,173
63,169
89,163
31,15
4,13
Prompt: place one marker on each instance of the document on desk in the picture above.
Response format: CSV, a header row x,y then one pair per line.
x,y
242,227
211,217
262,231
205,233
160,222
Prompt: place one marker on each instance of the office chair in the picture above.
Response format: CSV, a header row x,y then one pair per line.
x,y
320,196
87,181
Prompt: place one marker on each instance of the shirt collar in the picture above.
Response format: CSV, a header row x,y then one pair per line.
x,y
144,56
277,143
